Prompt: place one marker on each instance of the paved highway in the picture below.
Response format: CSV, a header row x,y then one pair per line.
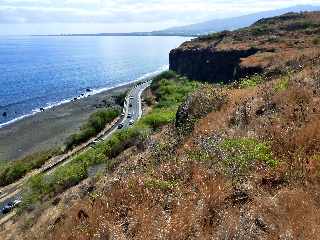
x,y
132,111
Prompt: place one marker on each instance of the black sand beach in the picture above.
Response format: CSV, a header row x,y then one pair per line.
x,y
50,128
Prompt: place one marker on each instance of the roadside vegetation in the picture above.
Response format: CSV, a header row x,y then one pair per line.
x,y
95,124
120,98
170,91
14,170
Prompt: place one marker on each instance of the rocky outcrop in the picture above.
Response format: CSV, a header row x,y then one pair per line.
x,y
211,65
198,105
228,56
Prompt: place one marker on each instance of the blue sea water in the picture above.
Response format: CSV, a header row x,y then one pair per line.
x,y
38,72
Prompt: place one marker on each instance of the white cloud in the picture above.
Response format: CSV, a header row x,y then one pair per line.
x,y
131,11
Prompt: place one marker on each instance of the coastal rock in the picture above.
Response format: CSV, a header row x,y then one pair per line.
x,y
4,114
88,90
211,65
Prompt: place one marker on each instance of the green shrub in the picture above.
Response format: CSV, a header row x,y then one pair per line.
x,y
240,154
171,93
160,184
282,84
259,30
158,118
76,170
96,123
251,81
13,171
213,36
199,156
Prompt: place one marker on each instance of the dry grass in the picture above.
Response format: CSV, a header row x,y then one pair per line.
x,y
163,193
178,188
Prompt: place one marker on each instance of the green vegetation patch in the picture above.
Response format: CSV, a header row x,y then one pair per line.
x,y
170,93
282,84
76,170
260,30
158,118
199,156
15,170
241,153
171,90
252,81
95,124
160,184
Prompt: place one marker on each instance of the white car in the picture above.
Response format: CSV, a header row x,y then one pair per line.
x,y
131,122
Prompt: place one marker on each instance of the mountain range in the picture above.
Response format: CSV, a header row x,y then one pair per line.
x,y
217,25
214,25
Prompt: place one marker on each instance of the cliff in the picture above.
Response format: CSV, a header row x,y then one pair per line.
x,y
228,56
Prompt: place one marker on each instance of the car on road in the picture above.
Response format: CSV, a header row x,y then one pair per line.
x,y
120,126
131,122
130,105
10,206
129,115
131,97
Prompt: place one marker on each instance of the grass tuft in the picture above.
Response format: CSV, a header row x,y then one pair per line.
x,y
240,154
251,81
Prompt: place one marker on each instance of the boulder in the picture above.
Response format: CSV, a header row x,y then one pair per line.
x,y
198,105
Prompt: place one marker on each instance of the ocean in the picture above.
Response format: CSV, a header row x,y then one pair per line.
x,y
42,72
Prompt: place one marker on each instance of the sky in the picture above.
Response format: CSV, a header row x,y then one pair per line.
x,y
94,16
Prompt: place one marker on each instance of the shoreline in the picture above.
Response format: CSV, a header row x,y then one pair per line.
x,y
92,92
50,128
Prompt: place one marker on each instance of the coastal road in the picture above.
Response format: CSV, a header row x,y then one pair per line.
x,y
132,111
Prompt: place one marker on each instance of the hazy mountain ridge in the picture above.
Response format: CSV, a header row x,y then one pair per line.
x,y
214,25
218,25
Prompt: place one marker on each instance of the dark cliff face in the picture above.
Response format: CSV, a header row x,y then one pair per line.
x,y
210,65
228,56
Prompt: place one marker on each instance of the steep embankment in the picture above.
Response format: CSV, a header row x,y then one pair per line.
x,y
238,161
228,56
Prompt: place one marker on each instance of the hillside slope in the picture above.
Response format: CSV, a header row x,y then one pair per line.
x,y
238,161
262,47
